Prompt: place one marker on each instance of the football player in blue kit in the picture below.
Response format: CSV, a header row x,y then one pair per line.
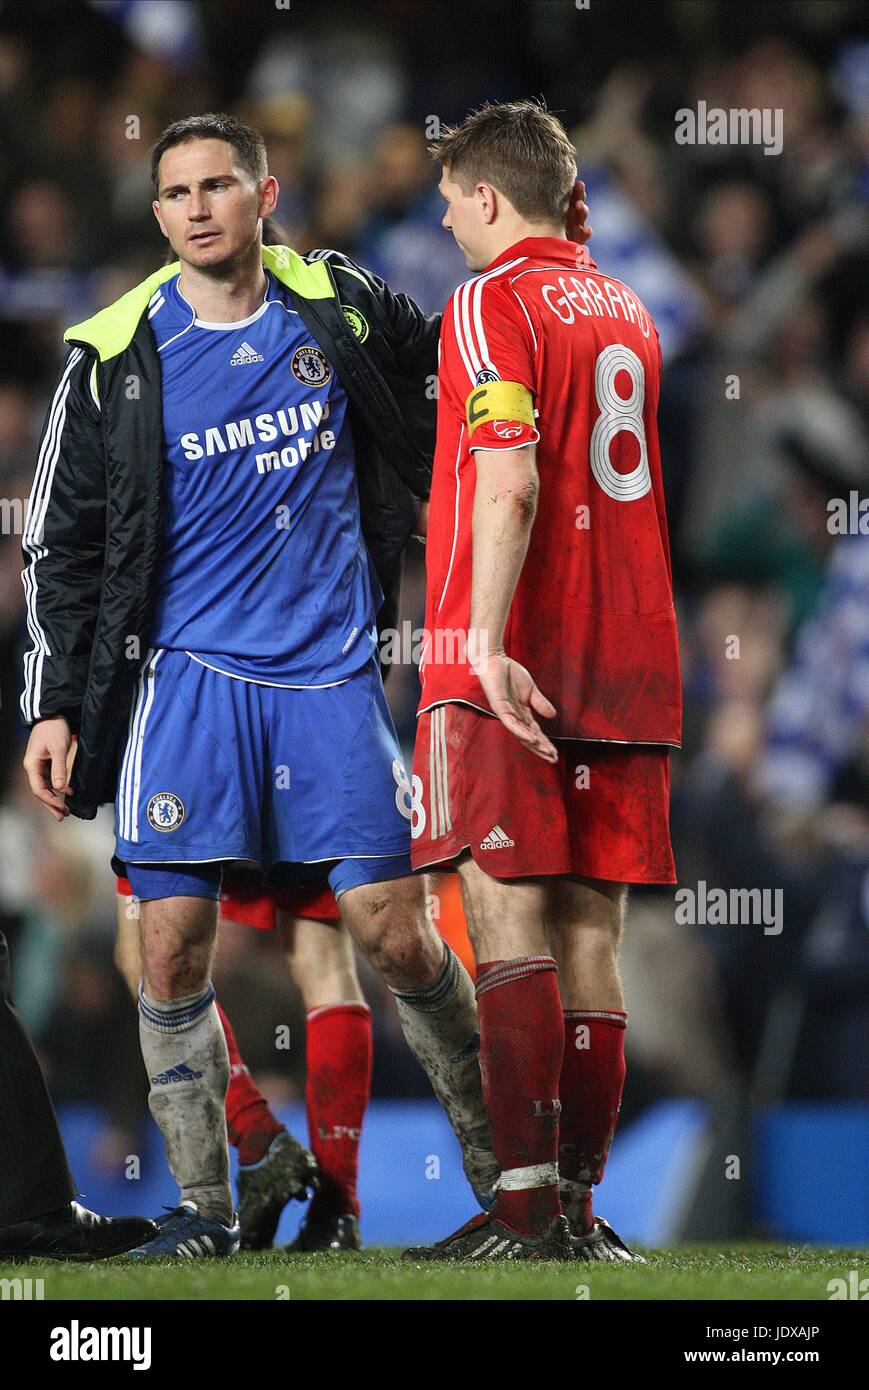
x,y
255,727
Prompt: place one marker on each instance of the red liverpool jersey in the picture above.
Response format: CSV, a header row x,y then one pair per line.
x,y
592,617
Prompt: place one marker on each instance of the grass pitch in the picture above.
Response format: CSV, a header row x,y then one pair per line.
x,y
746,1271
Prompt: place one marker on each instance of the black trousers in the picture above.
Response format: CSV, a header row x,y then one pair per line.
x,y
34,1174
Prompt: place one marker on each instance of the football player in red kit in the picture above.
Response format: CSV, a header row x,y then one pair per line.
x,y
550,671
274,1168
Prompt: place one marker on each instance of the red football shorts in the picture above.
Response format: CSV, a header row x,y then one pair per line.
x,y
244,900
602,811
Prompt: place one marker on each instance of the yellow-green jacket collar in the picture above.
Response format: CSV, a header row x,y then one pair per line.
x,y
111,330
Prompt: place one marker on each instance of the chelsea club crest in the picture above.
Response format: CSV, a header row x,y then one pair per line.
x,y
165,811
358,322
310,365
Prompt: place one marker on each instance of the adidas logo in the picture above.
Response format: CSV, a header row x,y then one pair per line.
x,y
245,354
497,838
179,1073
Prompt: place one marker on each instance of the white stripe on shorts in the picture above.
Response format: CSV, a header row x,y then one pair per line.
x,y
126,761
433,784
438,774
131,768
445,767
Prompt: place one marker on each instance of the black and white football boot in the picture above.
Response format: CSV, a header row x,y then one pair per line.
x,y
485,1238
603,1243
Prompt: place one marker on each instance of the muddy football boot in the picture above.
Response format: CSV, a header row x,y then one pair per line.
x,y
287,1173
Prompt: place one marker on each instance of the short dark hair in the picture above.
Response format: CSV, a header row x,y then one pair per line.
x,y
249,145
520,148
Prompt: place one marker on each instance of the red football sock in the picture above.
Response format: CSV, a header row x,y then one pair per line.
x,y
521,1042
592,1078
250,1125
339,1052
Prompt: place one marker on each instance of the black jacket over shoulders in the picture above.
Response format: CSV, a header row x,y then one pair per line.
x,y
93,535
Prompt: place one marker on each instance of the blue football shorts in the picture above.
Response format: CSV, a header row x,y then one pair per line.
x,y
305,782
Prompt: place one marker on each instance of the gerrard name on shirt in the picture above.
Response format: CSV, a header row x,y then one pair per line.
x,y
590,299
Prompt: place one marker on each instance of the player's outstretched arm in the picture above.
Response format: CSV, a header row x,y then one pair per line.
x,y
505,503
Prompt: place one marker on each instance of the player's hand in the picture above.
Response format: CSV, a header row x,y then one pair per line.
x,y
514,697
576,218
48,762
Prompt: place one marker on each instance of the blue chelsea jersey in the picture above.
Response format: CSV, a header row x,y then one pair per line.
x,y
264,573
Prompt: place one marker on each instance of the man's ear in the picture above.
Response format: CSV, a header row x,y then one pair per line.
x,y
155,206
270,189
488,202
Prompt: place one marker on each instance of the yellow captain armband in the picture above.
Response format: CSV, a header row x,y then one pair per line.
x,y
499,400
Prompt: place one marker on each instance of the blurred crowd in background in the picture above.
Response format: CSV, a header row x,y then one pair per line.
x,y
755,268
